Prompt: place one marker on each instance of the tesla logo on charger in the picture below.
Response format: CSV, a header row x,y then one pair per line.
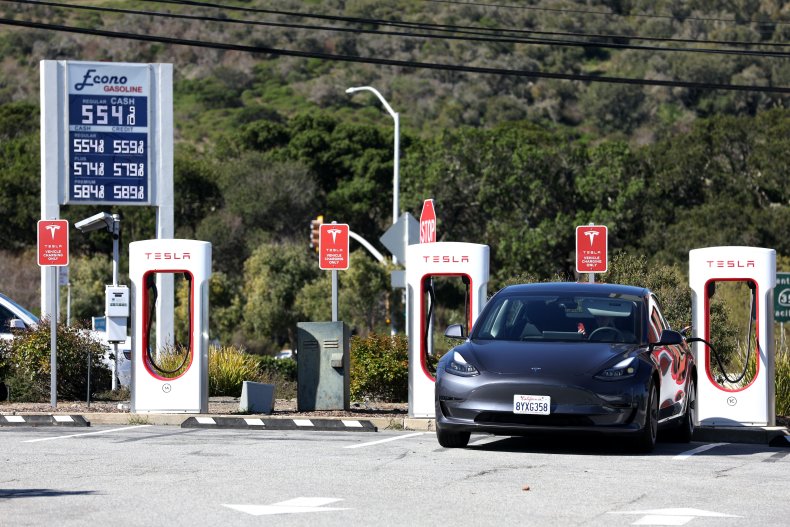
x,y
167,256
730,263
592,242
445,259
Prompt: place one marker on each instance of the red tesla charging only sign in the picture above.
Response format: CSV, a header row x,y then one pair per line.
x,y
592,243
333,246
53,242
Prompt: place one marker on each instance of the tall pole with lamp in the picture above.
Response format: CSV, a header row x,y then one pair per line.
x,y
396,165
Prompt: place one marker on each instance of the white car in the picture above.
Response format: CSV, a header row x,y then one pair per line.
x,y
14,317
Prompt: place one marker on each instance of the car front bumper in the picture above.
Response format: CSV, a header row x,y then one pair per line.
x,y
484,403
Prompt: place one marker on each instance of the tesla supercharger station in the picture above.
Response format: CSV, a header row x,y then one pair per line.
x,y
154,389
467,261
719,404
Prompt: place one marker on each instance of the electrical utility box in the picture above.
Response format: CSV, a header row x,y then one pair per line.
x,y
323,366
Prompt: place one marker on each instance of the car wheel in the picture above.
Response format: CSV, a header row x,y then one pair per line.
x,y
646,441
685,430
452,439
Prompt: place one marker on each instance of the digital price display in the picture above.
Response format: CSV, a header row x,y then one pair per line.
x,y
108,134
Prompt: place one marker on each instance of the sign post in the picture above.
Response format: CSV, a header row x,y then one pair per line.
x,y
428,222
333,254
53,252
592,247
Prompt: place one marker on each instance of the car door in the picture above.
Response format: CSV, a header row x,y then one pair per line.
x,y
672,362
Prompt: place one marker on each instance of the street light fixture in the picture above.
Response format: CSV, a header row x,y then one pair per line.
x,y
396,169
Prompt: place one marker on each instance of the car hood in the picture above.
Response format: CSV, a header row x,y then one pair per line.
x,y
518,358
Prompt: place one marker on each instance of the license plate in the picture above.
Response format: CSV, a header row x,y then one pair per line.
x,y
531,404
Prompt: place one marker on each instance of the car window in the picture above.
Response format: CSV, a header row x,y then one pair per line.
x,y
657,322
5,319
559,318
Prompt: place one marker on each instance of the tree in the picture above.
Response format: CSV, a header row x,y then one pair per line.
x,y
273,276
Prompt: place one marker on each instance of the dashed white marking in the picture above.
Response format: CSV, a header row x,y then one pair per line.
x,y
371,443
83,434
687,454
63,418
303,422
352,424
205,420
14,418
294,506
254,422
680,516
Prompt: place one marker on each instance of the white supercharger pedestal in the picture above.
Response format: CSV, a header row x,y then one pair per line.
x,y
423,261
151,391
753,404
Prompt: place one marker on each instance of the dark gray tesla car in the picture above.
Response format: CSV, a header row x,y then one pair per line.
x,y
573,357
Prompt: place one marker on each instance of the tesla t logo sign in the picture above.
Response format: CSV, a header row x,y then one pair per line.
x,y
592,242
333,246
428,222
53,242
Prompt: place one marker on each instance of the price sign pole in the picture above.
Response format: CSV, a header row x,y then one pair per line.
x,y
107,139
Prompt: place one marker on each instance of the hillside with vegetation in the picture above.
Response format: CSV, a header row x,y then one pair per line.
x,y
266,140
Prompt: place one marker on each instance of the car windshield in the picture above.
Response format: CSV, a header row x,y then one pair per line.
x,y
560,318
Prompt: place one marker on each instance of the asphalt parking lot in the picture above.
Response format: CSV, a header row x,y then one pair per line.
x,y
149,474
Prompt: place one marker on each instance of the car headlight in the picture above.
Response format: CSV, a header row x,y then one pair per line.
x,y
459,366
622,370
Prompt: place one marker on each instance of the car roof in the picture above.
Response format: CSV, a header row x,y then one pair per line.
x,y
576,288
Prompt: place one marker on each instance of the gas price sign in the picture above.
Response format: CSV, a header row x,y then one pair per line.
x,y
108,141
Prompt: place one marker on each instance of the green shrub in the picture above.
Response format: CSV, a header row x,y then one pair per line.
x,y
285,368
228,368
380,367
783,383
25,362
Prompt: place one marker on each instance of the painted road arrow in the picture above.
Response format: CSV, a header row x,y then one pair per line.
x,y
680,516
294,506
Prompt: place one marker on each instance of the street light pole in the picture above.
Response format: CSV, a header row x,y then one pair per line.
x,y
395,177
396,168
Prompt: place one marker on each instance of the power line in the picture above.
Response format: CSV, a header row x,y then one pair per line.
x,y
488,39
392,62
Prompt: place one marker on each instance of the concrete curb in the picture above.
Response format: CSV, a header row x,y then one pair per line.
x,y
756,435
44,420
257,423
124,418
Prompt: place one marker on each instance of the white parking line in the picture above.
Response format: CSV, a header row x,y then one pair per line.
x,y
687,454
85,434
371,443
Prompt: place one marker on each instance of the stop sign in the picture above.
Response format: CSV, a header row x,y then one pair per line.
x,y
428,222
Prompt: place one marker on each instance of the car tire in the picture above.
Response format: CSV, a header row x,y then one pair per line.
x,y
646,441
685,430
452,439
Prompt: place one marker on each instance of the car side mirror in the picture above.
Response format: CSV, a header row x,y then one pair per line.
x,y
16,323
669,337
455,331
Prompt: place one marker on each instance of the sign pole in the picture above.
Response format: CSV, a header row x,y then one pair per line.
x,y
53,339
334,295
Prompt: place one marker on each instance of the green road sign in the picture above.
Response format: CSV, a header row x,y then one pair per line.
x,y
782,298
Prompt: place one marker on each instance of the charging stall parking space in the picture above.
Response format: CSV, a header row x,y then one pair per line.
x,y
737,398
466,262
181,383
